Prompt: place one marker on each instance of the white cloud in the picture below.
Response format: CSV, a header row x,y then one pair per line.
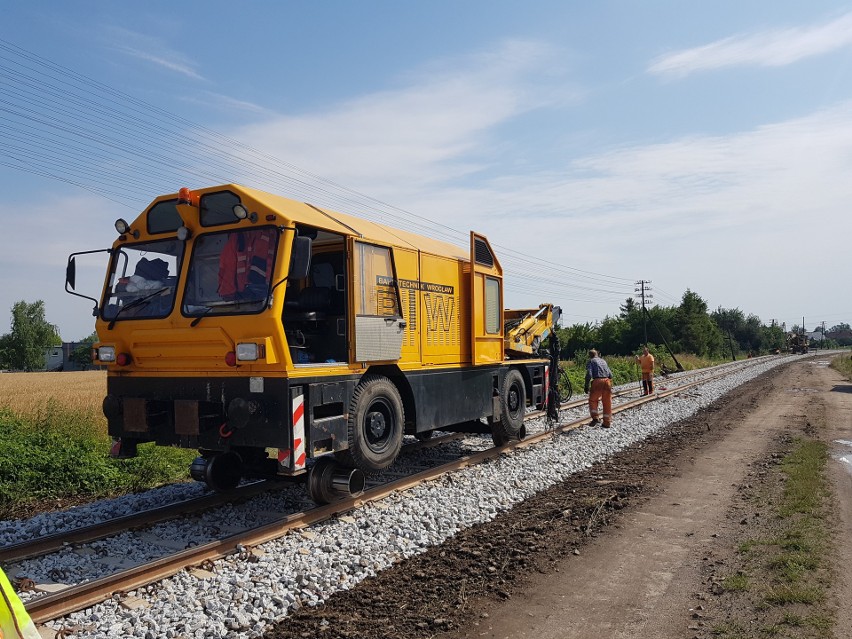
x,y
755,219
772,48
153,50
717,214
430,131
226,103
704,212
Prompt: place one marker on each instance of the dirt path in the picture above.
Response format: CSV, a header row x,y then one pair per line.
x,y
647,579
622,550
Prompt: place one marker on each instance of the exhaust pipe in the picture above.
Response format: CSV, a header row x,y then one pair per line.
x,y
328,482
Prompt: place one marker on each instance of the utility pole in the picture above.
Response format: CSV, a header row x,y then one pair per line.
x,y
644,291
773,324
822,342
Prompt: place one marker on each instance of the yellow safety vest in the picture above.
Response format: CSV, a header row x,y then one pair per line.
x,y
15,623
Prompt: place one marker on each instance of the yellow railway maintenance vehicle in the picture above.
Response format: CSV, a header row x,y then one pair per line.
x,y
268,332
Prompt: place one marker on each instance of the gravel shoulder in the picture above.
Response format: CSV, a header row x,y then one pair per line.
x,y
621,549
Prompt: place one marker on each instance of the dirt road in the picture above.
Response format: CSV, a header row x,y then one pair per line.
x,y
631,548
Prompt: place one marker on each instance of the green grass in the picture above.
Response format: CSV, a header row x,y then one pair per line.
x,y
785,575
626,369
805,488
785,594
748,546
799,551
843,363
736,582
57,453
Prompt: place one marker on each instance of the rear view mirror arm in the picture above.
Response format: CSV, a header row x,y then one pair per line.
x,y
71,276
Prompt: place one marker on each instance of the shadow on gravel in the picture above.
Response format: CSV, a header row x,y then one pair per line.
x,y
842,388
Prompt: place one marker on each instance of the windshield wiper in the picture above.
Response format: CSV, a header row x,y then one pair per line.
x,y
137,302
203,313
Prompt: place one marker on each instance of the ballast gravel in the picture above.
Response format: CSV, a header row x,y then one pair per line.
x,y
246,592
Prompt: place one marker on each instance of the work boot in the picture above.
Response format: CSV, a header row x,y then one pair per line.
x,y
595,421
605,425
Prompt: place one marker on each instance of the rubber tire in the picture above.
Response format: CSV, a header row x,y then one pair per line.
x,y
367,452
513,402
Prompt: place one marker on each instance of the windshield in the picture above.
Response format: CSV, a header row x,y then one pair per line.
x,y
142,280
230,272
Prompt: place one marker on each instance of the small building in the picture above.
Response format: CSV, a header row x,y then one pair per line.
x,y
59,358
842,336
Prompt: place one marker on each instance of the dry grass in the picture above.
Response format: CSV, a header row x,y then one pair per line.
x,y
28,394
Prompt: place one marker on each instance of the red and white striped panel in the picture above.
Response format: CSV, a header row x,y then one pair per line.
x,y
546,385
299,432
284,460
293,459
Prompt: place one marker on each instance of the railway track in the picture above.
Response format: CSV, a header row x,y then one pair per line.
x,y
53,606
51,543
54,542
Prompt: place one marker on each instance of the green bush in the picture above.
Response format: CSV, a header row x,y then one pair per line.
x,y
60,454
626,369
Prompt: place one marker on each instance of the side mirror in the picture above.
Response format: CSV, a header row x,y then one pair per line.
x,y
71,276
300,262
71,273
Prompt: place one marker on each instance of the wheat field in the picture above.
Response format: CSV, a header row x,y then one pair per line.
x,y
30,393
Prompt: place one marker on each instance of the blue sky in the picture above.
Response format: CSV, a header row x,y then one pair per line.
x,y
702,146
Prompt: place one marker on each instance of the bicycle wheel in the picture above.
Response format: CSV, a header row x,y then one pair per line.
x,y
566,391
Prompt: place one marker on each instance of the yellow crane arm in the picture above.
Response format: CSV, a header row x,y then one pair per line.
x,y
525,329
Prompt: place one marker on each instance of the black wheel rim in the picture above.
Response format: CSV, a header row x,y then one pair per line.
x,y
513,399
379,425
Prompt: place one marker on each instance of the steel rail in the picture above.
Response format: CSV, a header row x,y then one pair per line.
x,y
576,403
85,534
53,606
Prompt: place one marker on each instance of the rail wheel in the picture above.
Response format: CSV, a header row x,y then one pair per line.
x,y
425,436
375,425
513,401
220,471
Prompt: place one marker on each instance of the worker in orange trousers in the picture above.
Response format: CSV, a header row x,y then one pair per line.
x,y
646,363
599,386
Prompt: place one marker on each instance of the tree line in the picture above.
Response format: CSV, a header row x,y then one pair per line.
x,y
687,328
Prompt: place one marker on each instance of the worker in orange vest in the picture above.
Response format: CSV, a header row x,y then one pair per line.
x,y
15,623
246,264
646,363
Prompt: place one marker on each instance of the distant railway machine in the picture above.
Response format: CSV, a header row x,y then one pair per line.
x,y
283,339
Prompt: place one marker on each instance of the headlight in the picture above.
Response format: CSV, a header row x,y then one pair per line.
x,y
247,352
106,353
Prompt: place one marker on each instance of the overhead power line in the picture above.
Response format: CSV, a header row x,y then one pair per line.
x,y
62,125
